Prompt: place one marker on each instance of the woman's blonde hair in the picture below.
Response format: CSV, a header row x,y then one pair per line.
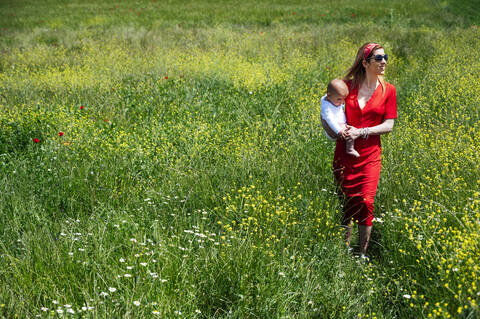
x,y
357,73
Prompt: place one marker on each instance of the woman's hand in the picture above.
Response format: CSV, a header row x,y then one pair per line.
x,y
343,134
352,133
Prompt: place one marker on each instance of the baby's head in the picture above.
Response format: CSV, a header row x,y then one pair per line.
x,y
337,91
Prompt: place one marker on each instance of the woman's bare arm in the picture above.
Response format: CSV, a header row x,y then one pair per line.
x,y
384,128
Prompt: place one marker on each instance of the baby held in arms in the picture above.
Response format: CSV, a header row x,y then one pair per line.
x,y
332,111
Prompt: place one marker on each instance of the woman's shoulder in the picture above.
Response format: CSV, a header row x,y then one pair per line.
x,y
348,83
351,88
389,89
390,86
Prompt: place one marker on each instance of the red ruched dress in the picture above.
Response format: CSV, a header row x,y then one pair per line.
x,y
358,176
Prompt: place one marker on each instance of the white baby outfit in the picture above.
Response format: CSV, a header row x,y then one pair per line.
x,y
333,115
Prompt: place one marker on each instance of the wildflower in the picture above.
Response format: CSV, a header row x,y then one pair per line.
x,y
111,289
353,15
136,303
44,309
166,77
82,107
59,311
70,310
36,140
103,294
60,133
407,296
127,276
155,312
122,260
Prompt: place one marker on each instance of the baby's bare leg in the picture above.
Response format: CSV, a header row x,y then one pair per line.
x,y
351,150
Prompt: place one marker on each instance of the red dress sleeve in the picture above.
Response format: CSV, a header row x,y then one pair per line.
x,y
391,104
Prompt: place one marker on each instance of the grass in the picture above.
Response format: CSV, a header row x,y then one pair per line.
x,y
193,178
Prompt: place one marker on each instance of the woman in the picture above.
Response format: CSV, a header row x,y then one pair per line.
x,y
370,109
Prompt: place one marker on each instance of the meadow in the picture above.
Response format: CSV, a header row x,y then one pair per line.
x,y
165,159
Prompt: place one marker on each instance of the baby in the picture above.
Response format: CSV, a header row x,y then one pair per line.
x,y
332,111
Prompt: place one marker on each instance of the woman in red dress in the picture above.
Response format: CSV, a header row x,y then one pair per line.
x,y
370,109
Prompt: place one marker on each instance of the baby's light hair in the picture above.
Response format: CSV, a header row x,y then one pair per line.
x,y
337,87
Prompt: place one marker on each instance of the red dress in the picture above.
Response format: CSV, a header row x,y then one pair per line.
x,y
358,176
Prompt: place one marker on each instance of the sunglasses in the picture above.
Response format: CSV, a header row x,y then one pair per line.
x,y
379,57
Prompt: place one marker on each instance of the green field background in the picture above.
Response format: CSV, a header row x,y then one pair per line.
x,y
165,159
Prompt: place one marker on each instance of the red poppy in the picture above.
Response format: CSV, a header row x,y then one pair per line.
x,y
36,140
82,107
166,77
60,133
353,15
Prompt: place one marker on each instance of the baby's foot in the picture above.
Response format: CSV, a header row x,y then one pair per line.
x,y
353,152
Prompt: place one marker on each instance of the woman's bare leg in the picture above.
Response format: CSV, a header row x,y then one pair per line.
x,y
364,237
348,233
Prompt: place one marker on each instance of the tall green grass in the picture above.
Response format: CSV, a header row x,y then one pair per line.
x,y
193,178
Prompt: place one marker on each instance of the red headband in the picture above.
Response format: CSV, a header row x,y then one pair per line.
x,y
368,49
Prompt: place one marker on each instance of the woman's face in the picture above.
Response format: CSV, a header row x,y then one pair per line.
x,y
373,66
